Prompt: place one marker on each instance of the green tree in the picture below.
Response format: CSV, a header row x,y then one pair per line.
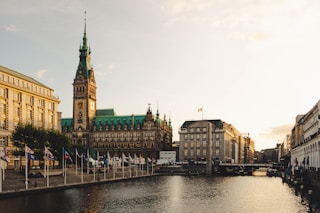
x,y
57,141
28,135
37,139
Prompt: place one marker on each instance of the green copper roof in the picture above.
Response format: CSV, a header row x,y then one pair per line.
x,y
22,76
105,112
66,121
124,119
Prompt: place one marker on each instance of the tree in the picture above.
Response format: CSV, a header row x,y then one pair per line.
x,y
57,141
31,136
37,139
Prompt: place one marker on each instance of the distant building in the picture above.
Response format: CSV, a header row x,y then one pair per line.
x,y
212,139
169,156
27,101
104,130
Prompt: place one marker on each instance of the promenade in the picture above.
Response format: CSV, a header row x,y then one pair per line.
x,y
14,182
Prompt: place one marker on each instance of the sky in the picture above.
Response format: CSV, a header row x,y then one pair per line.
x,y
251,63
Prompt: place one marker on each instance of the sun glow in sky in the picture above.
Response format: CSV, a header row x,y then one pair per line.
x,y
252,63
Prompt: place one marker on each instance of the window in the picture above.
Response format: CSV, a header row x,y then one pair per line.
x,y
3,108
198,129
204,152
217,135
204,144
2,124
204,136
204,129
17,111
42,103
186,137
3,141
185,152
41,116
18,96
198,152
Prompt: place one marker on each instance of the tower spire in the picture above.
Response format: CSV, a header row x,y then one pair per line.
x,y
84,40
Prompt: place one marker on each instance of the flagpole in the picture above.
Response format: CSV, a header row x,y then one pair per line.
x,y
44,167
48,167
26,167
152,166
76,162
87,161
122,165
65,172
1,177
62,162
129,163
65,167
114,168
104,170
108,158
148,166
82,168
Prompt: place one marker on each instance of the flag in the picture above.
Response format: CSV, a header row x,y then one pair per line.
x,y
49,154
149,160
77,153
28,150
31,157
130,159
67,155
200,109
4,155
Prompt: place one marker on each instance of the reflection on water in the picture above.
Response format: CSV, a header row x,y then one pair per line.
x,y
167,194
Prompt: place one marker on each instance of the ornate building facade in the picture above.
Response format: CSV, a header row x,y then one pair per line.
x,y
24,100
216,140
103,129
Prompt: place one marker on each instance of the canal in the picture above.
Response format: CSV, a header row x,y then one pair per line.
x,y
167,194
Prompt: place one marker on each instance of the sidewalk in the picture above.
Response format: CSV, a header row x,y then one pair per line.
x,y
15,180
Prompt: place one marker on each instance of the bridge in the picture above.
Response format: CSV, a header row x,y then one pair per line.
x,y
252,165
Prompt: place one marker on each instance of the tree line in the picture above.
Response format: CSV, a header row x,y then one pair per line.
x,y
38,138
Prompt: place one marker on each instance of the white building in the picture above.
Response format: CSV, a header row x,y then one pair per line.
x,y
307,154
24,100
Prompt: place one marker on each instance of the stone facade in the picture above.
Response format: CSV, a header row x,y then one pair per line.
x,y
103,129
24,100
215,139
306,152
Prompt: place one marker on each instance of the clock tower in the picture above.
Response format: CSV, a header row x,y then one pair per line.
x,y
84,94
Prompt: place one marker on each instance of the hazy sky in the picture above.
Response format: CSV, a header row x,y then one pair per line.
x,y
252,63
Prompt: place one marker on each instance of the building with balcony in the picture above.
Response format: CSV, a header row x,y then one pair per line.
x,y
27,101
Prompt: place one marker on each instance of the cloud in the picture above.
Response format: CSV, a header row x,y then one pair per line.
x,y
102,70
279,132
40,73
10,28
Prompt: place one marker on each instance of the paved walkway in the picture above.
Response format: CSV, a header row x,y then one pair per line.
x,y
15,180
